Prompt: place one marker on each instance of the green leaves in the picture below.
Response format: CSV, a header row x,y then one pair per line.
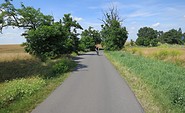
x,y
25,17
147,37
89,38
46,41
64,65
172,37
52,41
17,89
113,34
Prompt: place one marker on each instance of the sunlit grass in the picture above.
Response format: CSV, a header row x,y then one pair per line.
x,y
25,81
174,54
164,81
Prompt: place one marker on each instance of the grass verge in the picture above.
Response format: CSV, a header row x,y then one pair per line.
x,y
21,91
162,82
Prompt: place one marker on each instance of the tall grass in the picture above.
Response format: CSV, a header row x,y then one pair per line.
x,y
165,79
174,54
164,54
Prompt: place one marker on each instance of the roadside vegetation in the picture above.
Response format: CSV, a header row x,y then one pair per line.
x,y
168,53
25,81
163,81
152,66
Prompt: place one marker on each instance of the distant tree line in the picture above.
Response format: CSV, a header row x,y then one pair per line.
x,y
149,37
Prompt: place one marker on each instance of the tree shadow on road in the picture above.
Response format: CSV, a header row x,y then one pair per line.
x,y
81,67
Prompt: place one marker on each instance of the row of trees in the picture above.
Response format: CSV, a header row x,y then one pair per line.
x,y
149,37
46,38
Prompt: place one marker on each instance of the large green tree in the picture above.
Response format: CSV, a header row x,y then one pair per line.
x,y
71,26
51,41
172,37
147,36
113,34
25,17
45,38
89,38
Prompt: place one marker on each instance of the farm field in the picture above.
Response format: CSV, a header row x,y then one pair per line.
x,y
16,48
25,81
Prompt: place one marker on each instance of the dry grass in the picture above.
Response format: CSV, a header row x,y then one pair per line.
x,y
173,54
13,52
11,49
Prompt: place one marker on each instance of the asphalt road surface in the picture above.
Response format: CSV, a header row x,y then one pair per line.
x,y
93,87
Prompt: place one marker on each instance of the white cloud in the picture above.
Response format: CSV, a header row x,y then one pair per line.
x,y
156,24
78,19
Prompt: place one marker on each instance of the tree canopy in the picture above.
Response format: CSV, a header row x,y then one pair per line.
x,y
113,34
25,17
89,38
172,37
51,41
147,36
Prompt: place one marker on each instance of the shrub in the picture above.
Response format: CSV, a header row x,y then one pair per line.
x,y
64,65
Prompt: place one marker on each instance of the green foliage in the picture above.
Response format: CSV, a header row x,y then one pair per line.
x,y
89,38
17,89
87,43
71,27
172,37
23,81
113,34
64,65
166,79
132,43
183,37
147,36
47,42
51,41
25,17
154,42
31,18
46,39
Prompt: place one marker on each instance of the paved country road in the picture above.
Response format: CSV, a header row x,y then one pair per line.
x,y
93,87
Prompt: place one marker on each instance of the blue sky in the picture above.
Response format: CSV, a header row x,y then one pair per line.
x,y
158,14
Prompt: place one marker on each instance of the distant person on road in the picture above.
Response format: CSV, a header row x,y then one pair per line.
x,y
97,50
